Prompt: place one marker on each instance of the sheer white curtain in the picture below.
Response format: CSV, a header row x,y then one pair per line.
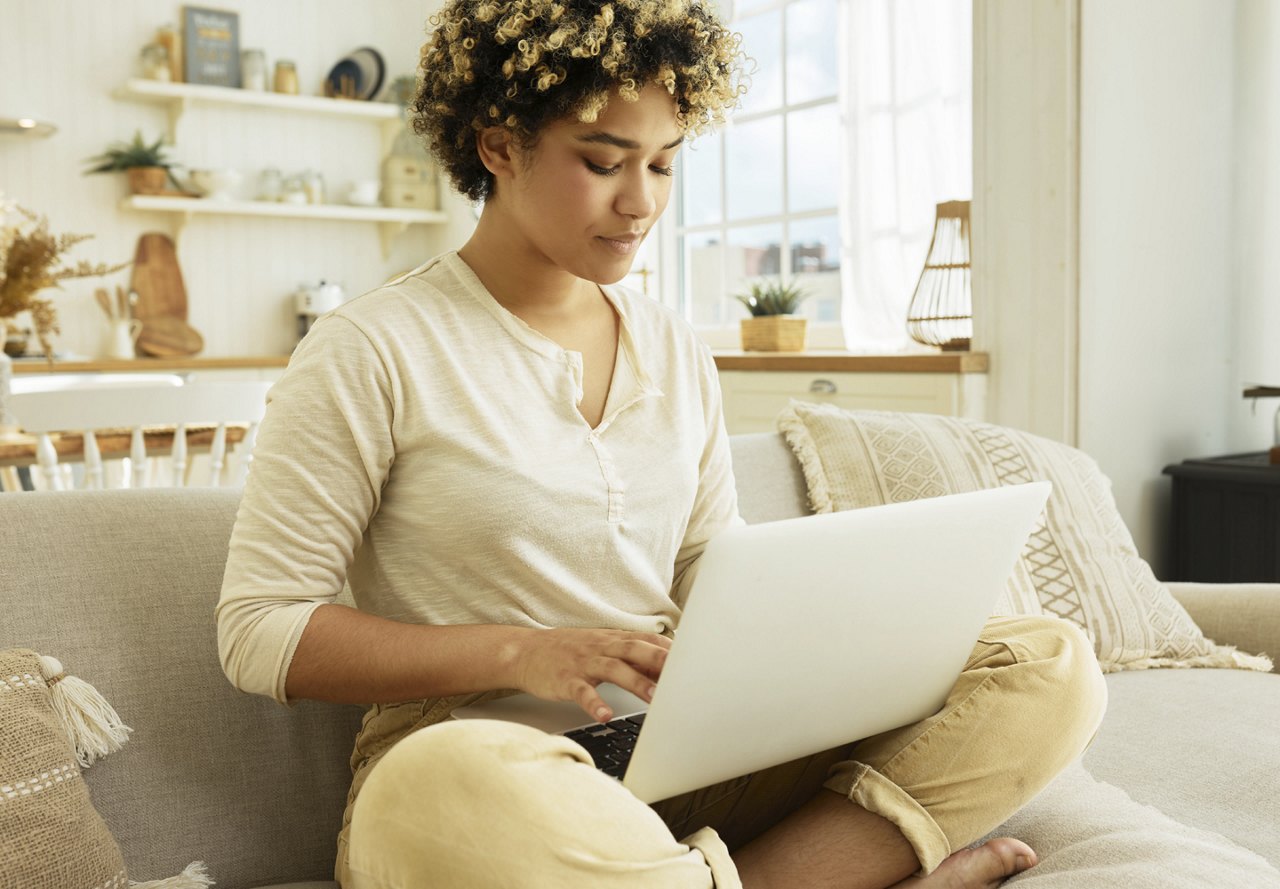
x,y
907,107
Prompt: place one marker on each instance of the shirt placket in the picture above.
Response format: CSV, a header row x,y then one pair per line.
x,y
614,482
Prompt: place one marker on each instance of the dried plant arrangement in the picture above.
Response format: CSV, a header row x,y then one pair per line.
x,y
31,261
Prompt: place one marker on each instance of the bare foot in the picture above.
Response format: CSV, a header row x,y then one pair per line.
x,y
985,867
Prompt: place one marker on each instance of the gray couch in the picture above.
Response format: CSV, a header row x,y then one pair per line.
x,y
121,587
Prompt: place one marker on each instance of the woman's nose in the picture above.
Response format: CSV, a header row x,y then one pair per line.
x,y
636,198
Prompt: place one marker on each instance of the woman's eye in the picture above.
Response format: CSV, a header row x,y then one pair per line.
x,y
669,170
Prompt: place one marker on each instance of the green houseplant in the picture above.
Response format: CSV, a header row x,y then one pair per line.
x,y
146,166
774,325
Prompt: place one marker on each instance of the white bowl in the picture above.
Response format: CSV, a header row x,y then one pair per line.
x,y
216,184
363,192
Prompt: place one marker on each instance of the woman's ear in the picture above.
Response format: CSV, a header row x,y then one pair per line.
x,y
495,147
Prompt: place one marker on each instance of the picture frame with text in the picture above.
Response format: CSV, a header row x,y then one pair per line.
x,y
211,46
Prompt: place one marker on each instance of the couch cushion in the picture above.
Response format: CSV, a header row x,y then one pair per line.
x,y
1091,835
1203,746
121,586
1079,563
770,483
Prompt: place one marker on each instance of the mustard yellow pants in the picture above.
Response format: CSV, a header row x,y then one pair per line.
x,y
477,803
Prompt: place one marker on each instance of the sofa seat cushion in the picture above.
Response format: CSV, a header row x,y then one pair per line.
x,y
1202,746
1089,834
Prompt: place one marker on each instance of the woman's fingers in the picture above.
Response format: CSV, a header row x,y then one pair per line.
x,y
590,701
624,676
568,664
643,654
615,672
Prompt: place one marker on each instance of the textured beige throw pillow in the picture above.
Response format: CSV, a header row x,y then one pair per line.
x,y
1080,562
50,834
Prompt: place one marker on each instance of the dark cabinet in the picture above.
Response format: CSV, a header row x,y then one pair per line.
x,y
1226,519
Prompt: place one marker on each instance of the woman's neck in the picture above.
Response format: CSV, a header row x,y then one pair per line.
x,y
523,280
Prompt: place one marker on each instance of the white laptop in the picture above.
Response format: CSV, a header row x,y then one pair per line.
x,y
804,634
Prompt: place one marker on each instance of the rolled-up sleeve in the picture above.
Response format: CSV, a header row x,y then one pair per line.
x,y
715,507
323,453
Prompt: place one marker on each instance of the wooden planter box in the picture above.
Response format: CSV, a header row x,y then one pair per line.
x,y
773,333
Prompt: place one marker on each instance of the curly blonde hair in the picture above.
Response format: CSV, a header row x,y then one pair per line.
x,y
522,64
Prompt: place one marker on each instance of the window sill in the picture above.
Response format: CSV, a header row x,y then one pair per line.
x,y
839,360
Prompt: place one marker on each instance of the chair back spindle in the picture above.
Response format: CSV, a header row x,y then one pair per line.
x,y
167,413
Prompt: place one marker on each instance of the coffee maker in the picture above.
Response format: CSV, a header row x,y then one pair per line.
x,y
310,302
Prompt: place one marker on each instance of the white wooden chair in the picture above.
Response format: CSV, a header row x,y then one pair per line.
x,y
72,422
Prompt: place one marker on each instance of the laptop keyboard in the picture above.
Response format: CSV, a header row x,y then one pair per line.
x,y
610,744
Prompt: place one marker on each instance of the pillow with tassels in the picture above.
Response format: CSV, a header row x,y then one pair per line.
x,y
51,727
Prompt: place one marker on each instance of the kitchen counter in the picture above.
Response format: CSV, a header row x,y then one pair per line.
x,y
812,360
136,365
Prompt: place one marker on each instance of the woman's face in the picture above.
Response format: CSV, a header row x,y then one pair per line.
x,y
587,194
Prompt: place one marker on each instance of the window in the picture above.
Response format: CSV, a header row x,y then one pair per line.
x,y
760,197
856,123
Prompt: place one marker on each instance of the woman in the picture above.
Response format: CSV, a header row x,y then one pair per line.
x,y
515,465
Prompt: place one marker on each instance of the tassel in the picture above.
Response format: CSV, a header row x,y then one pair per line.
x,y
194,877
93,726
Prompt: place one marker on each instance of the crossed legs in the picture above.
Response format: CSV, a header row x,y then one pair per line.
x,y
486,804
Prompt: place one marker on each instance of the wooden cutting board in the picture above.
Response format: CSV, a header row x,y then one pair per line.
x,y
158,279
166,337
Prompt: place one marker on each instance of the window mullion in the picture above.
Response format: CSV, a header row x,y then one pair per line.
x,y
721,297
784,257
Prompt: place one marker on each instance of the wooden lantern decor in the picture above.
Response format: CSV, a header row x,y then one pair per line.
x,y
941,310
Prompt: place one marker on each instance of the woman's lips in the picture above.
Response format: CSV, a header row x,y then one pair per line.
x,y
622,246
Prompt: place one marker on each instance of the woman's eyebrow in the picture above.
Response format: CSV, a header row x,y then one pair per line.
x,y
604,138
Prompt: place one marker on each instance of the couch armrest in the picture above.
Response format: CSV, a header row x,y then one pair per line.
x,y
1246,615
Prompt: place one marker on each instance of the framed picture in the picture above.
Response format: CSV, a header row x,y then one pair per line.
x,y
210,46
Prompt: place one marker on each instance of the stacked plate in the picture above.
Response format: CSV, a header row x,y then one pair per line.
x,y
362,70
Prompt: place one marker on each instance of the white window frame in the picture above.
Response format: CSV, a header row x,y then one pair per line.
x,y
821,335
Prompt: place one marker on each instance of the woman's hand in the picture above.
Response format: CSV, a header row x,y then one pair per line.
x,y
568,664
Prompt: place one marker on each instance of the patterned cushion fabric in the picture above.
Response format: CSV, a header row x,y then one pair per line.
x,y
51,837
1080,562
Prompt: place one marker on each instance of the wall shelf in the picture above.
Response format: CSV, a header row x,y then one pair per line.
x,y
391,220
178,97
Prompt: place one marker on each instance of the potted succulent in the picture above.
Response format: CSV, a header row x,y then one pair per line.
x,y
146,166
774,325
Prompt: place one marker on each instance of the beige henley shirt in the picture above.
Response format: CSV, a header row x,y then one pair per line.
x,y
425,446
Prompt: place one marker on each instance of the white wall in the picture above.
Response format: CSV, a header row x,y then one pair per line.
x,y
1157,293
1257,220
1026,210
1125,212
60,62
